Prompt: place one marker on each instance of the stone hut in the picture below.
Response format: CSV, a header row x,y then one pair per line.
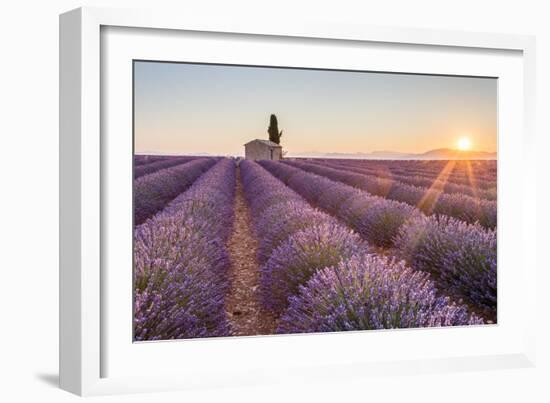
x,y
263,150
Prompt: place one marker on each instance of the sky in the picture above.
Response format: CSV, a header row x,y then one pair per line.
x,y
185,108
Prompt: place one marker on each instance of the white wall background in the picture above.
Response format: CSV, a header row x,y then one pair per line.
x,y
29,201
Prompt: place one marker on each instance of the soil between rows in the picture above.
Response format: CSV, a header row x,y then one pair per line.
x,y
246,315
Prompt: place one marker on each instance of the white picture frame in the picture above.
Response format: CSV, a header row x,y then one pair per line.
x,y
84,340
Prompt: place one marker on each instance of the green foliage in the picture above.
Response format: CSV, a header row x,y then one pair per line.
x,y
273,130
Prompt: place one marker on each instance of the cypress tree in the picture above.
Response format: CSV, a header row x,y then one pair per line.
x,y
273,130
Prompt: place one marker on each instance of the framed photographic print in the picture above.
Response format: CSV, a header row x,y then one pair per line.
x,y
237,200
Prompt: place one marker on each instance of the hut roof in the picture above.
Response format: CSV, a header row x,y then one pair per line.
x,y
264,142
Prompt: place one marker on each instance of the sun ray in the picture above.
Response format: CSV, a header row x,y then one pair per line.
x,y
433,193
472,178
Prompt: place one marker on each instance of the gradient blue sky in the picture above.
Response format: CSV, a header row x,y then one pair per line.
x,y
191,108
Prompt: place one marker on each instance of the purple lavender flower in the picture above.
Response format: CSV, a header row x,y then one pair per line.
x,y
181,262
152,192
178,292
468,209
375,218
295,256
371,168
463,256
381,221
167,162
282,220
300,256
368,292
148,159
462,206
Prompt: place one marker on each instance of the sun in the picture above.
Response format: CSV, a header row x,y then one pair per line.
x,y
464,143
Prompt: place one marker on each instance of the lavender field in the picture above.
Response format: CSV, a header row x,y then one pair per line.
x,y
235,247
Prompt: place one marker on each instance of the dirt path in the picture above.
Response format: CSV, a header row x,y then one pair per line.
x,y
245,313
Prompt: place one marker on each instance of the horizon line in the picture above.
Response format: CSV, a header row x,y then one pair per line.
x,y
463,152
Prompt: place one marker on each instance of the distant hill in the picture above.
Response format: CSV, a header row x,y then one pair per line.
x,y
448,154
437,154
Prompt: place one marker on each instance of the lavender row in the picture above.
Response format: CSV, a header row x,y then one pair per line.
x,y
482,181
448,169
461,170
181,262
462,256
299,245
368,292
147,159
430,201
294,238
420,181
152,192
485,179
485,168
375,218
147,169
486,182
